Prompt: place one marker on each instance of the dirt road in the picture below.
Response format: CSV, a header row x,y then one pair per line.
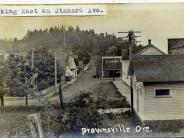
x,y
87,83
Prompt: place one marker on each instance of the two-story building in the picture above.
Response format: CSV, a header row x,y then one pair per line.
x,y
111,63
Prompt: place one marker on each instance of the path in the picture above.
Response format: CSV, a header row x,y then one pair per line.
x,y
86,82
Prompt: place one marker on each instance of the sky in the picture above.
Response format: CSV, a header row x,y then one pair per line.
x,y
157,22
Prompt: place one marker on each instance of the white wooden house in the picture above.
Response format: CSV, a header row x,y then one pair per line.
x,y
71,68
158,87
149,49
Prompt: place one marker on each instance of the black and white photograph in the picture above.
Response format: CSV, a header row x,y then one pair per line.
x,y
92,71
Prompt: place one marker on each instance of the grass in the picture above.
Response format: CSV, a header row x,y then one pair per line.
x,y
166,125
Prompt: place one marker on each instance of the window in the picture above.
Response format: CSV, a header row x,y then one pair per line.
x,y
162,92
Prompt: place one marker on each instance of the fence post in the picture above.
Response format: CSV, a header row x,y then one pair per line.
x,y
60,95
2,100
35,124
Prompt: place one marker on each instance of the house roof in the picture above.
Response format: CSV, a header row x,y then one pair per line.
x,y
147,47
175,43
158,68
70,62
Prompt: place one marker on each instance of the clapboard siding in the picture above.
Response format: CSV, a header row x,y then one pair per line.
x,y
141,102
139,93
168,108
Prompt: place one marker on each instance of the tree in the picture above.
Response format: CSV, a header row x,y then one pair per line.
x,y
44,66
3,82
77,29
18,70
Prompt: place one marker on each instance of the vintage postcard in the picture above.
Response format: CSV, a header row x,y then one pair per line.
x,y
92,70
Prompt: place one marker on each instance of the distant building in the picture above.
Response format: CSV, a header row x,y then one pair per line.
x,y
158,86
33,81
111,66
71,68
176,46
111,63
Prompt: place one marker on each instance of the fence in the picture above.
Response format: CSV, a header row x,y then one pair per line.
x,y
30,127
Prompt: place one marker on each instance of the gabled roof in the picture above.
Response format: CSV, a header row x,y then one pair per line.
x,y
147,47
175,43
70,62
158,68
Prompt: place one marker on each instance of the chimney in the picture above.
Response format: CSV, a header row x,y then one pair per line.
x,y
149,41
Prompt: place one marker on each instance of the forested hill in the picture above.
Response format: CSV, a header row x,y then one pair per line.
x,y
79,41
5,46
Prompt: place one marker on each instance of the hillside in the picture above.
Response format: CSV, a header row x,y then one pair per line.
x,y
81,42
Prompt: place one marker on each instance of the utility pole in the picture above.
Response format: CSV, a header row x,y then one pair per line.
x,y
60,95
131,42
55,69
113,65
65,48
26,96
102,68
65,41
60,86
32,58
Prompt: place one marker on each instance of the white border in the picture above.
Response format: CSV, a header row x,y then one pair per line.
x,y
83,1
